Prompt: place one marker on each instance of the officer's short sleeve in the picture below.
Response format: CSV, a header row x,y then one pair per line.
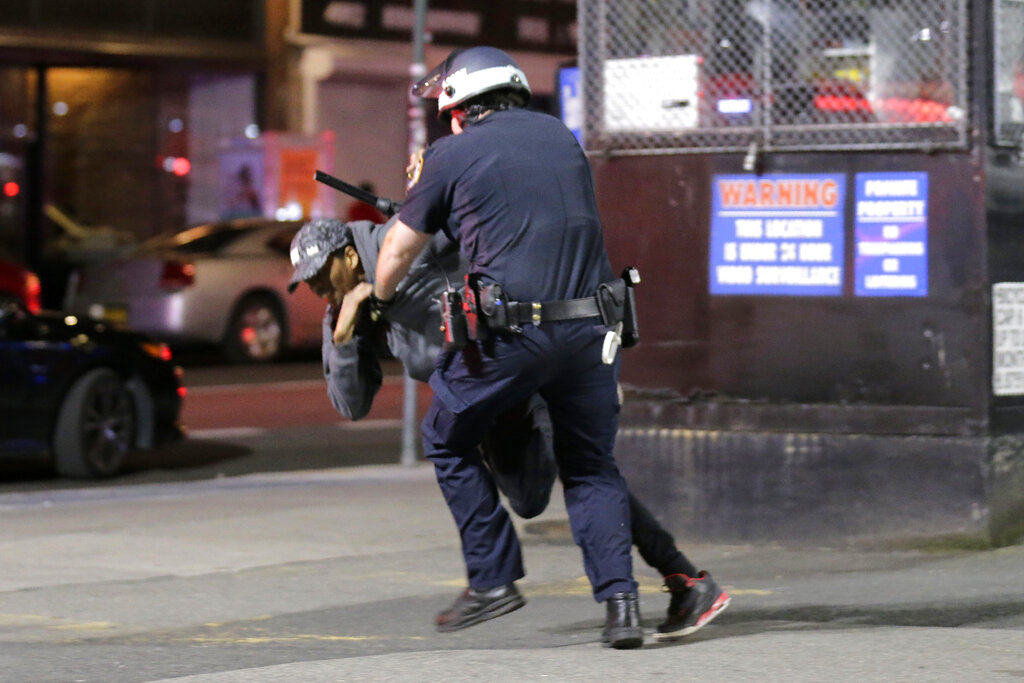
x,y
428,204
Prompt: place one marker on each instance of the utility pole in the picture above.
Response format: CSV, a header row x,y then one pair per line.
x,y
417,141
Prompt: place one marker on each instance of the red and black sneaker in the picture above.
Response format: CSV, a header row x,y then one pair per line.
x,y
695,602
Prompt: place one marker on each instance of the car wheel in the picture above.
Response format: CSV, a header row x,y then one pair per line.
x,y
95,426
257,331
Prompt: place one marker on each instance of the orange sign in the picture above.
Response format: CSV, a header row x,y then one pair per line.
x,y
298,164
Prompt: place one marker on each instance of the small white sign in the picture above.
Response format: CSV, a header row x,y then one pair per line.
x,y
647,94
1008,338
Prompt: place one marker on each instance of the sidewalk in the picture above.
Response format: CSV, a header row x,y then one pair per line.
x,y
335,576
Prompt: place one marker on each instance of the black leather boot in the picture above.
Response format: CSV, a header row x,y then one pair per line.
x,y
622,627
474,606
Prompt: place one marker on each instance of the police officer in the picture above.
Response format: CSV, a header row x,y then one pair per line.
x,y
337,260
514,189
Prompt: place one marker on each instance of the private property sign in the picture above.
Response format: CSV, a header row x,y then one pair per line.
x,y
891,234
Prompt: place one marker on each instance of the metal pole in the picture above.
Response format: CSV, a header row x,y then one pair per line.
x,y
417,141
35,154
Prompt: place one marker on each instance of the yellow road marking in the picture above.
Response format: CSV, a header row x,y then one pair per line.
x,y
581,586
25,619
257,640
54,623
85,626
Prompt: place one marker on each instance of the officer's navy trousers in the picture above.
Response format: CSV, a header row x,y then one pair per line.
x,y
561,361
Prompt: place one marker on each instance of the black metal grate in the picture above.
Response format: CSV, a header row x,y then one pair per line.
x,y
718,75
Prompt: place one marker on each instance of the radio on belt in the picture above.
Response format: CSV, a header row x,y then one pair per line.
x,y
453,321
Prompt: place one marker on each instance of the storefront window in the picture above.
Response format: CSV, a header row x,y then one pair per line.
x,y
118,155
17,132
100,150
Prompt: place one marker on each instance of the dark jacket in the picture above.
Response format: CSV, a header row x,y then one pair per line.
x,y
518,449
353,369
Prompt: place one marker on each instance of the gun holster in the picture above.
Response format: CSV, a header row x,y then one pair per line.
x,y
611,302
486,309
617,304
630,320
494,306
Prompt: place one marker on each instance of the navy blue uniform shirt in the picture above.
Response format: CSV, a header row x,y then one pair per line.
x,y
516,191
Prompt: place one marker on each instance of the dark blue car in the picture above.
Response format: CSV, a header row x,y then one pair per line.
x,y
82,394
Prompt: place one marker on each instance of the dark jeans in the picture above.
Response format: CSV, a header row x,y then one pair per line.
x,y
655,544
562,363
519,452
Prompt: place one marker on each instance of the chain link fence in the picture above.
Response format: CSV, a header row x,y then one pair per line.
x,y
1009,72
671,76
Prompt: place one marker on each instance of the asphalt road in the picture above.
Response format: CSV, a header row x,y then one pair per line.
x,y
247,419
273,545
335,575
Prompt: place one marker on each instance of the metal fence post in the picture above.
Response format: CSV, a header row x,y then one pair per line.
x,y
417,140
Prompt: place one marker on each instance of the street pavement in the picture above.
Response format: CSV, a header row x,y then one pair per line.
x,y
335,575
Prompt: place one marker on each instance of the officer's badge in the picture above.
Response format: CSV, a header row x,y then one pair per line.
x,y
412,172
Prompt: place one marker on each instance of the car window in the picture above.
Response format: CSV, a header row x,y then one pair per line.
x,y
202,239
281,240
264,240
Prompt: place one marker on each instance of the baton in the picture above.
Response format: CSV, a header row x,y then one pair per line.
x,y
382,204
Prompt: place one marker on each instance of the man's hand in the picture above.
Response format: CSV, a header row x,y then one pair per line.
x,y
346,325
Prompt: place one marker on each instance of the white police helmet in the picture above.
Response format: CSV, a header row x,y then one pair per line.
x,y
466,73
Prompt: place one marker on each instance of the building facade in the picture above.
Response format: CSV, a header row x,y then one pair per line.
x,y
112,116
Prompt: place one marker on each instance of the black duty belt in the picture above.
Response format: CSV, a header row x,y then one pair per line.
x,y
536,312
482,309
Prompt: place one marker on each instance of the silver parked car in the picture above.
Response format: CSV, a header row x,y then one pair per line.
x,y
223,283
